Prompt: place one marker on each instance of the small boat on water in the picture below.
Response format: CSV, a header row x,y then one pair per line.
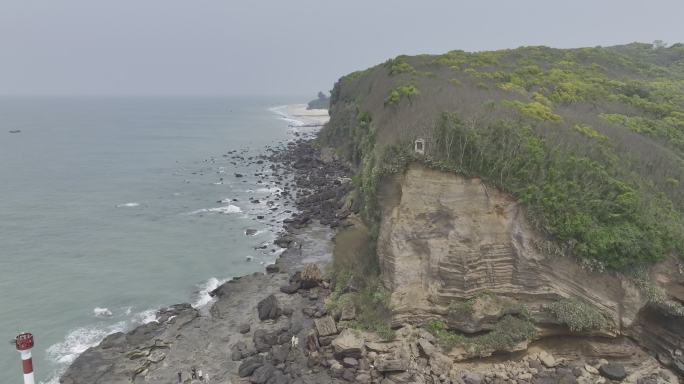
x,y
15,131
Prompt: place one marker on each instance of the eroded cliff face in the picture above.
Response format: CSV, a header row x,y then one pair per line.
x,y
445,239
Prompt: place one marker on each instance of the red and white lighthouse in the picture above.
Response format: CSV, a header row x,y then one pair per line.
x,y
24,343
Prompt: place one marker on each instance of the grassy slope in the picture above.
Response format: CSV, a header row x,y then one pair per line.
x,y
591,140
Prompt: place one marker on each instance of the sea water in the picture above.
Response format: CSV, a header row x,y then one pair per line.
x,y
111,207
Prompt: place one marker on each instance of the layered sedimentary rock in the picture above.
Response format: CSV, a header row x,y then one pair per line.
x,y
445,239
449,243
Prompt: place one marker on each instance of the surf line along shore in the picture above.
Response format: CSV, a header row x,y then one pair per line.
x,y
252,314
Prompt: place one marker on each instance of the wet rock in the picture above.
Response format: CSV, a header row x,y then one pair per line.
x,y
284,241
272,268
348,344
613,371
268,308
250,232
244,328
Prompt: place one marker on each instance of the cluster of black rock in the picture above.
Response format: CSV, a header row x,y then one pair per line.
x,y
320,185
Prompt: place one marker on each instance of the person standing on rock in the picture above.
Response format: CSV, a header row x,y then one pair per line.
x,y
193,373
180,377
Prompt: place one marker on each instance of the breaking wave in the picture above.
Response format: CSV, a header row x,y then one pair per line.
x,y
128,205
225,210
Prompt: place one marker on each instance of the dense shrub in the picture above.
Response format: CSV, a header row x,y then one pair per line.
x,y
401,92
506,334
578,315
577,200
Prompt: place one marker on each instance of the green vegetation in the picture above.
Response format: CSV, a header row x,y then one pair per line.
x,y
461,308
580,201
578,315
400,92
398,66
535,110
658,297
589,132
589,140
373,304
507,333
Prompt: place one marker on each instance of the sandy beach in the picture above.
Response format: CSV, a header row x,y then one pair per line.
x,y
308,117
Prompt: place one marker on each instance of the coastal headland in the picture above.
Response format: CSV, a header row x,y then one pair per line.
x,y
278,326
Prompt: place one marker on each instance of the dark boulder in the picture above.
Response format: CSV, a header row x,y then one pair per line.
x,y
613,371
262,374
263,341
250,365
268,308
290,288
244,328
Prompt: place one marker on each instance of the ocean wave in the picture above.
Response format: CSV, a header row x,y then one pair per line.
x,y
128,205
80,339
102,312
225,210
144,317
269,190
280,111
203,296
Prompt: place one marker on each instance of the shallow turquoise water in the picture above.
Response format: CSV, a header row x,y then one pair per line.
x,y
105,207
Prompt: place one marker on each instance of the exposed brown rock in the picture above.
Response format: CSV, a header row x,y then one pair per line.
x,y
325,326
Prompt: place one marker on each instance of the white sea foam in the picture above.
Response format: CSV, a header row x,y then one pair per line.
x,y
268,190
128,205
145,317
227,200
280,110
225,210
203,296
102,312
80,339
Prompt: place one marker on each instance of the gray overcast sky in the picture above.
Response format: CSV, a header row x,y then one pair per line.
x,y
283,46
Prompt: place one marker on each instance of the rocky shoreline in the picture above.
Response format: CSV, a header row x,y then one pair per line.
x,y
275,328
184,337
